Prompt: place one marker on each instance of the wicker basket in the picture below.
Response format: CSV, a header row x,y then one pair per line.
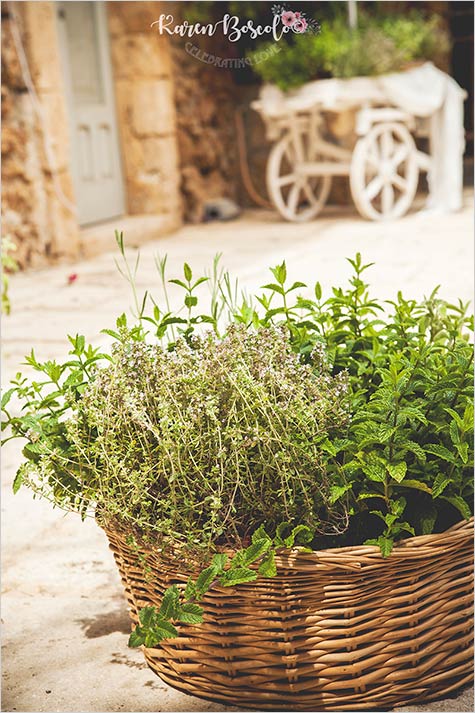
x,y
335,630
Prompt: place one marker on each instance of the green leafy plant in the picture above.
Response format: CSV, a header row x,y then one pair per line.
x,y
206,431
380,44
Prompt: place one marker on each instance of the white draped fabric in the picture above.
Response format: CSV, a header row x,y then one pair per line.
x,y
423,92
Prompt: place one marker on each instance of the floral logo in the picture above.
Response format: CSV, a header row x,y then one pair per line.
x,y
298,22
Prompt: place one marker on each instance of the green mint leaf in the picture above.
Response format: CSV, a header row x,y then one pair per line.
x,y
6,397
136,638
441,452
170,603
462,450
190,614
398,506
191,301
275,288
200,281
279,538
240,575
374,471
161,630
205,579
219,561
454,433
427,520
190,590
260,534
337,492
397,471
17,482
416,485
456,417
180,283
460,504
300,535
254,551
385,544
440,483
147,615
187,272
268,568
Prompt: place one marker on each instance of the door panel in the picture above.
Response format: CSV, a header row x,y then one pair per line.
x,y
95,157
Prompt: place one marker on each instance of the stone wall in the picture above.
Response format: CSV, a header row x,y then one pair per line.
x,y
206,100
38,204
36,184
145,109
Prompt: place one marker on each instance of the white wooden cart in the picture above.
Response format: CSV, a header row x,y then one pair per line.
x,y
383,166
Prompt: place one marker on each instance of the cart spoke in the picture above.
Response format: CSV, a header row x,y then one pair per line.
x,y
373,188
294,194
387,198
400,155
307,190
290,154
387,145
399,181
285,180
373,156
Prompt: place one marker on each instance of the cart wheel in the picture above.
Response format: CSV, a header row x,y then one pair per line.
x,y
297,197
384,172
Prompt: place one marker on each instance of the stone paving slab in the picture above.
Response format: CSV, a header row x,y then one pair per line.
x,y
64,615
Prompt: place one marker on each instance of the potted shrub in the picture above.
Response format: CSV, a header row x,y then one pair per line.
x,y
285,483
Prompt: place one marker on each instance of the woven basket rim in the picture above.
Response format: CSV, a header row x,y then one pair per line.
x,y
349,557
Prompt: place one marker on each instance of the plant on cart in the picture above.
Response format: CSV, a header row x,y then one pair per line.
x,y
380,44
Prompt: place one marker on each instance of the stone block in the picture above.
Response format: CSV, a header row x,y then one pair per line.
x,y
55,116
151,195
43,45
11,69
63,223
7,102
152,107
133,16
13,142
140,56
160,156
132,156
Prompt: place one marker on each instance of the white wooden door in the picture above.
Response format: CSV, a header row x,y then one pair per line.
x,y
95,156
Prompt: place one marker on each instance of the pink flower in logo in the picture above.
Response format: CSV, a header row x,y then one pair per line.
x,y
299,26
288,18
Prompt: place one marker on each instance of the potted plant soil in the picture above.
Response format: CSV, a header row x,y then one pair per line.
x,y
285,482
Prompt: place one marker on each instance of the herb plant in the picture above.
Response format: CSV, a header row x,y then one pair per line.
x,y
204,442
206,431
381,43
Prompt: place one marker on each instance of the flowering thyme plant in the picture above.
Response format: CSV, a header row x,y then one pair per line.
x,y
206,442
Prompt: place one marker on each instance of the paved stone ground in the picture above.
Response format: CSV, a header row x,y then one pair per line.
x,y
65,619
